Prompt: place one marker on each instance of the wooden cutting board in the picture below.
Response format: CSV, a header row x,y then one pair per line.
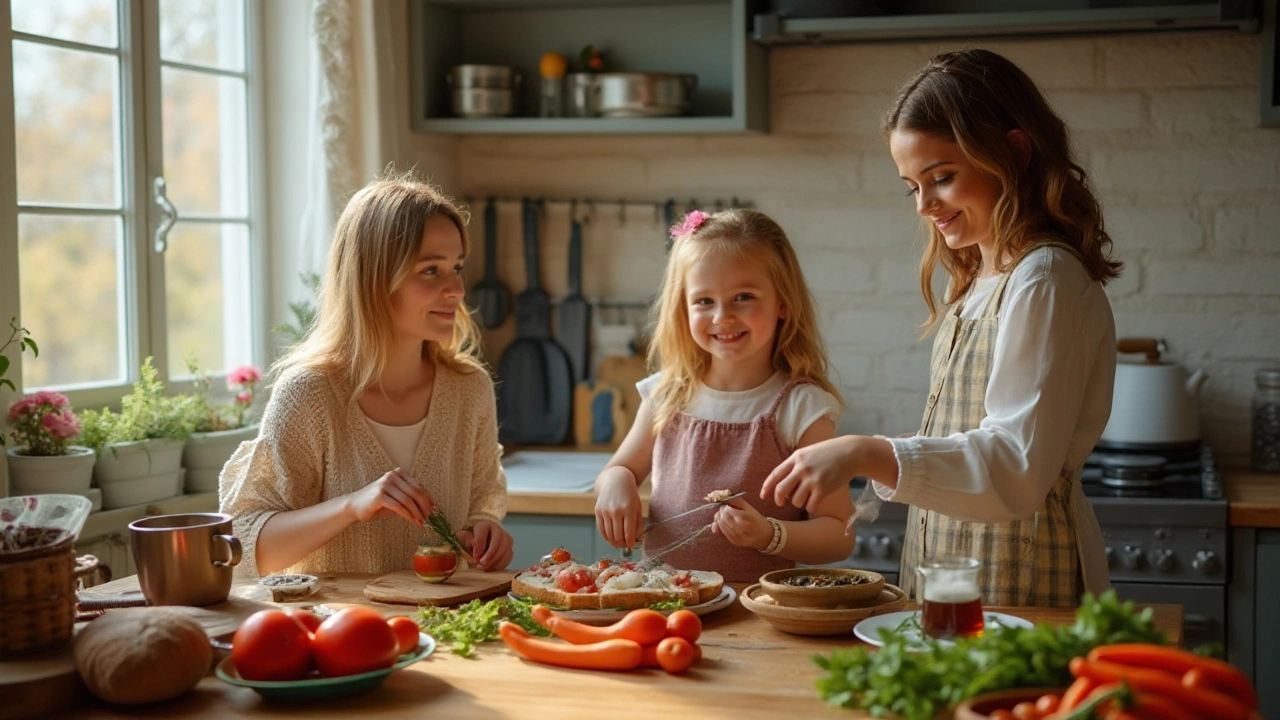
x,y
404,587
625,372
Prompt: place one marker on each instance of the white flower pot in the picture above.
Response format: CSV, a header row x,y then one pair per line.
x,y
40,474
139,472
206,452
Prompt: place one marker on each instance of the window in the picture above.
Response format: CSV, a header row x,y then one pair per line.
x,y
134,195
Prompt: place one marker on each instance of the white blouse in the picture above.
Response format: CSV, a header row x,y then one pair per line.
x,y
1047,403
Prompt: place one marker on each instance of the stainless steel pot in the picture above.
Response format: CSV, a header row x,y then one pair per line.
x,y
483,76
584,95
645,94
483,102
1156,403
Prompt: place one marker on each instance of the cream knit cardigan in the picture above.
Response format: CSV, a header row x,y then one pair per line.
x,y
315,444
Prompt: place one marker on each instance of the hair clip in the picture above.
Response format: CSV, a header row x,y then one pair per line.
x,y
692,222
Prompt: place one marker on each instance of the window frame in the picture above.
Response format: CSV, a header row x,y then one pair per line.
x,y
141,159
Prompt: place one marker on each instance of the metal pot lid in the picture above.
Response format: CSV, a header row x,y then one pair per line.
x,y
1133,470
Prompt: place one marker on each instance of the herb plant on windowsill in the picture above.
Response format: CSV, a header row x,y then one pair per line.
x,y
45,461
22,338
220,429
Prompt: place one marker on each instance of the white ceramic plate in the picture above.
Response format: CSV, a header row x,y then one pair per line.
x,y
868,630
723,600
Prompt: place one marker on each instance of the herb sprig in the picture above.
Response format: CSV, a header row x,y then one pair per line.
x,y
919,679
475,622
440,524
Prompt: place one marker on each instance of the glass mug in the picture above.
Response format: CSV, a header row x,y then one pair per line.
x,y
952,598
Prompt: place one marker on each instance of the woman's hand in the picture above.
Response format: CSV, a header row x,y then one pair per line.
x,y
395,493
489,543
619,515
812,473
743,525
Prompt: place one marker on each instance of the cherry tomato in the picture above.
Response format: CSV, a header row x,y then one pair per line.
x,y
575,580
684,624
1000,714
1048,704
675,655
354,640
1025,711
406,631
271,645
560,555
308,619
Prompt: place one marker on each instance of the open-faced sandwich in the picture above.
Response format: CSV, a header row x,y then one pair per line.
x,y
562,582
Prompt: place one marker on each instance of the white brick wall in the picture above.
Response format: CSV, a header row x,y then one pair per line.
x,y
1166,124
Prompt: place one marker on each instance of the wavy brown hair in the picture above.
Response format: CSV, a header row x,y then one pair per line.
x,y
375,245
798,351
974,98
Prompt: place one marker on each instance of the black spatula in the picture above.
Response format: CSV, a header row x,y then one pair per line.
x,y
491,297
574,327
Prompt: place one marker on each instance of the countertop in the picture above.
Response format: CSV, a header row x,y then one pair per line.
x,y
1253,498
749,670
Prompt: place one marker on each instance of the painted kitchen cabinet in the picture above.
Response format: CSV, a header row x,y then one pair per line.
x,y
1253,613
537,535
708,38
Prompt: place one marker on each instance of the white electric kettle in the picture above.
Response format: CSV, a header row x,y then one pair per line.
x,y
1156,404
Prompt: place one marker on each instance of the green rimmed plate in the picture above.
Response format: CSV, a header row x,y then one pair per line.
x,y
320,688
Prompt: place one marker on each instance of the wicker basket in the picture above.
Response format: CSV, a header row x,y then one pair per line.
x,y
38,596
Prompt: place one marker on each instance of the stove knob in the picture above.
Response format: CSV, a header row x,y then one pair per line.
x,y
1111,557
1166,561
881,545
1133,557
1207,562
1162,534
857,546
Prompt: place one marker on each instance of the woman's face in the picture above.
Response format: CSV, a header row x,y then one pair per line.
x,y
733,308
426,302
951,192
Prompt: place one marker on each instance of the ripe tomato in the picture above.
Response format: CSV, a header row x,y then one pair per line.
x,y
675,655
571,582
684,624
308,619
1026,711
431,564
406,631
560,555
271,645
354,640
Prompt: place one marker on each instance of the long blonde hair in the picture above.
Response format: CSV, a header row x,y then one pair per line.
x,y
375,244
798,351
974,98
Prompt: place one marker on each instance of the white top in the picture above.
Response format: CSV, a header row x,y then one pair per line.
x,y
400,441
1047,403
803,405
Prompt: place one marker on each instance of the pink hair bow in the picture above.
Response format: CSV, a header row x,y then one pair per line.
x,y
692,222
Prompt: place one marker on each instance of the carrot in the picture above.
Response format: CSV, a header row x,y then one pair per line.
x,y
1150,706
615,654
1206,702
1076,694
1226,678
643,626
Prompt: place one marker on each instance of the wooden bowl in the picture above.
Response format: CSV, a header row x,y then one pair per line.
x,y
980,707
864,591
820,621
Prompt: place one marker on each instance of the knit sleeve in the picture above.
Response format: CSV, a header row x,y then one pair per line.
x,y
282,468
489,482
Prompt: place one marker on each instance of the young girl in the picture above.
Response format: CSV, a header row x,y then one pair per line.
x,y
1024,358
384,412
742,383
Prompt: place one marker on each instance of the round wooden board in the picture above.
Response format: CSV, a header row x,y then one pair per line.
x,y
38,684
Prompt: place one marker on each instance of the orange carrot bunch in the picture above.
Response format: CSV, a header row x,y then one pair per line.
x,y
642,638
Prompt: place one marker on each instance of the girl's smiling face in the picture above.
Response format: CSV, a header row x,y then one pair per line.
x,y
733,310
956,196
427,301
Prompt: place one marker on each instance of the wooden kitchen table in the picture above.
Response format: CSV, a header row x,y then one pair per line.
x,y
748,670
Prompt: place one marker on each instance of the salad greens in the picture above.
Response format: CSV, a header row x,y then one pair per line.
x,y
475,622
917,683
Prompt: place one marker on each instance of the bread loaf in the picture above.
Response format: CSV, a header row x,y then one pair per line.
x,y
142,655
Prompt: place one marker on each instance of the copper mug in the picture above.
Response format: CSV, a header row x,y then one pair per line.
x,y
185,559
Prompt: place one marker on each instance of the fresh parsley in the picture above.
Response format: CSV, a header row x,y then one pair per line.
x,y
475,622
918,681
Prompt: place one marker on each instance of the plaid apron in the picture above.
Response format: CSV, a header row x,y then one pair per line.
x,y
1024,562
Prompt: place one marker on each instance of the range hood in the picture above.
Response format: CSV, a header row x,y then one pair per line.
x,y
1132,16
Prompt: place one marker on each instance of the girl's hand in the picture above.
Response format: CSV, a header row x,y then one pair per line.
x,y
743,525
812,473
395,493
489,543
619,516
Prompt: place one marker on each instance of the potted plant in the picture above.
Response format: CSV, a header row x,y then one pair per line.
x,y
143,443
22,337
219,429
46,461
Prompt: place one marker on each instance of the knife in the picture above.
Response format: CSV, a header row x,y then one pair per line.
x,y
627,553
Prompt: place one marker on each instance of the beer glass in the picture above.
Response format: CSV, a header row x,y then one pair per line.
x,y
952,600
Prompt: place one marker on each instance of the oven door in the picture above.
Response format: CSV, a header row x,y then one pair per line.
x,y
1204,609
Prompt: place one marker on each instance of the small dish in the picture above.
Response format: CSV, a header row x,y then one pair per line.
x,y
286,588
827,588
907,623
320,688
813,621
980,707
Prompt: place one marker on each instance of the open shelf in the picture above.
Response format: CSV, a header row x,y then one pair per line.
x,y
708,38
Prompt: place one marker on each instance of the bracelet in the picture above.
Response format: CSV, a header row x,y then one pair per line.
x,y
779,538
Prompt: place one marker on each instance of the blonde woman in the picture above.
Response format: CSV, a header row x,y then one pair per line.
x,y
384,412
741,383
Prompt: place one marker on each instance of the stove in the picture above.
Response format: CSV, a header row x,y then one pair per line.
x,y
1164,525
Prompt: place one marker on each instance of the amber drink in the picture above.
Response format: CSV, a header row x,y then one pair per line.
x,y
952,599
